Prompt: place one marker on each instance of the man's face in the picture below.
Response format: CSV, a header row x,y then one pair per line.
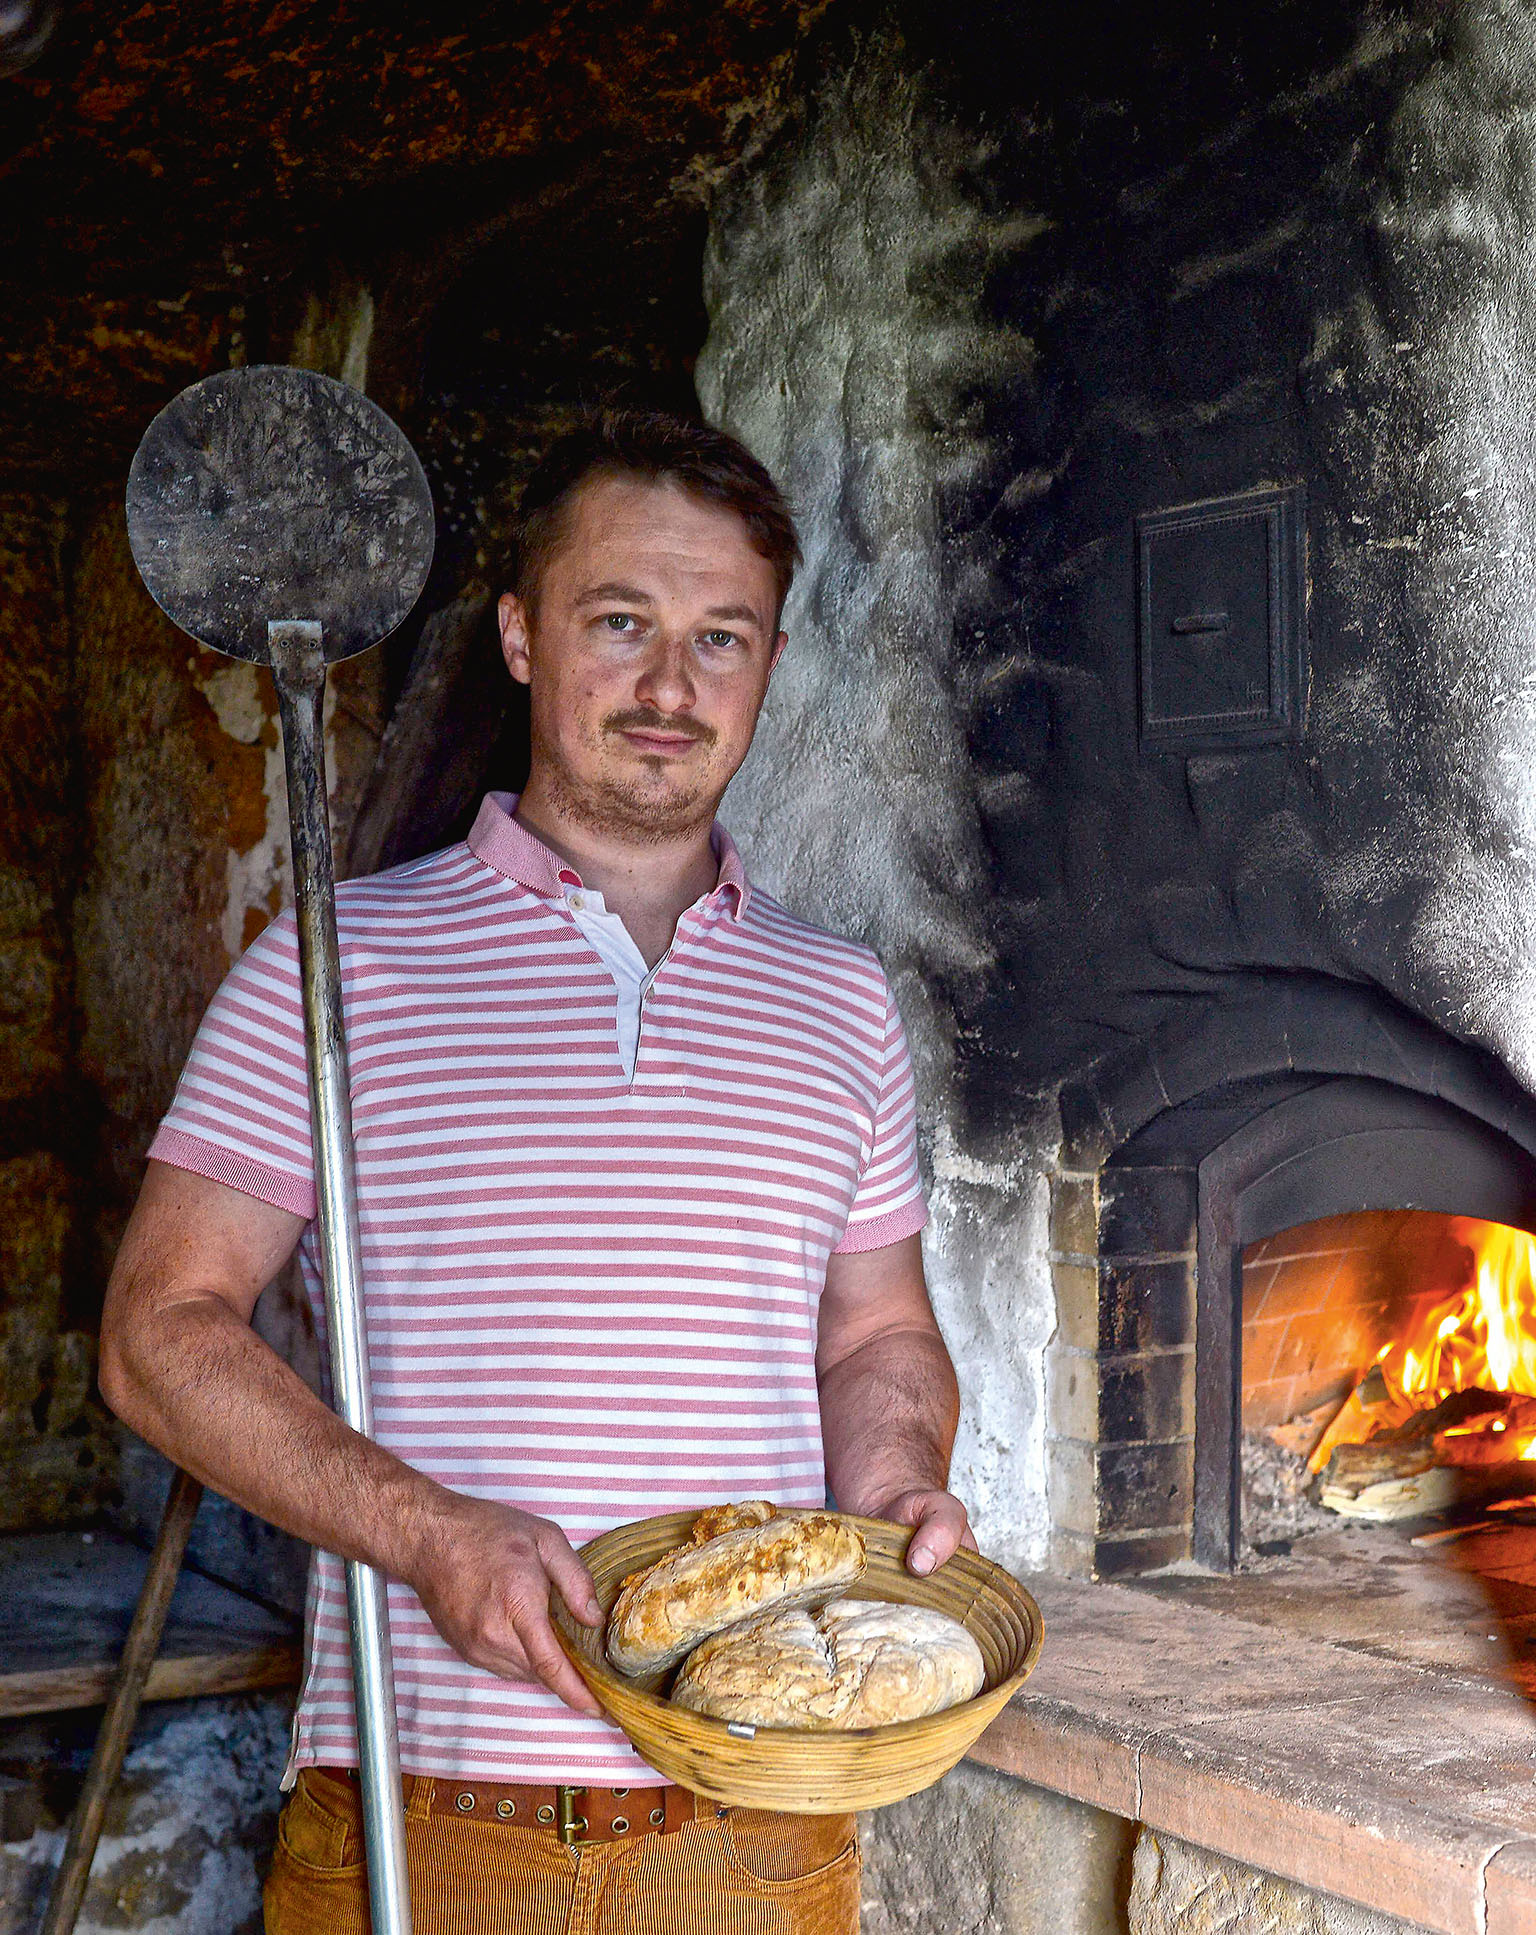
x,y
646,659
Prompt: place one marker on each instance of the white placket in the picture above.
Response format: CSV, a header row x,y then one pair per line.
x,y
613,943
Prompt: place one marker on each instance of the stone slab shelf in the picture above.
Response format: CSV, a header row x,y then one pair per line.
x,y
67,1599
1407,1786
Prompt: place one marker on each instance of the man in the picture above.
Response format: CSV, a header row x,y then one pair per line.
x,y
639,1209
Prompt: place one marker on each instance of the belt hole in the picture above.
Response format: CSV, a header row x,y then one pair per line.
x,y
506,1809
618,1793
658,1815
465,1803
620,1824
546,1813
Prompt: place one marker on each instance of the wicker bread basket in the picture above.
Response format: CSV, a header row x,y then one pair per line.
x,y
810,1772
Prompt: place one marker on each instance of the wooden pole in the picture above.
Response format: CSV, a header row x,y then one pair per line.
x,y
122,1708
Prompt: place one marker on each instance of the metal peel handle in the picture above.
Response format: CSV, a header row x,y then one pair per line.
x,y
298,667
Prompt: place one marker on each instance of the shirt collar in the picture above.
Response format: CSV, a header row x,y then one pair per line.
x,y
507,846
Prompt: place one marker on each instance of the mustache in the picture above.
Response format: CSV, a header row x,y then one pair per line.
x,y
643,719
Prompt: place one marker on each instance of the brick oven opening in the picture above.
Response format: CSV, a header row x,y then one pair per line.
x,y
1388,1375
1310,1118
1264,1219
1362,1287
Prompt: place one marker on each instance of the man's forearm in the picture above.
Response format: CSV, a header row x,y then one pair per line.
x,y
200,1385
889,1412
180,1363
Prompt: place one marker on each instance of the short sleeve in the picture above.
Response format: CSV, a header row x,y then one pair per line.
x,y
240,1114
888,1203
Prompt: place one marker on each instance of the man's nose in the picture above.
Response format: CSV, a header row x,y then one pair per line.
x,y
666,679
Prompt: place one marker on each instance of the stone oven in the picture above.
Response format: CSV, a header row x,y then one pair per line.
x,y
1306,1100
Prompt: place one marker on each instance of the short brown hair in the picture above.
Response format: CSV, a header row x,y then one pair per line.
x,y
660,448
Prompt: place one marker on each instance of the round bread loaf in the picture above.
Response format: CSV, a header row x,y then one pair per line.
x,y
857,1663
792,1559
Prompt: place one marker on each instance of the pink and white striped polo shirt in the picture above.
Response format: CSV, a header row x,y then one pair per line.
x,y
590,1296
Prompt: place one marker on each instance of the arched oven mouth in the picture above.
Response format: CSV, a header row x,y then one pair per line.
x,y
1341,1237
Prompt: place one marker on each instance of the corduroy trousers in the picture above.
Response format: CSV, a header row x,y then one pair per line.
x,y
736,1872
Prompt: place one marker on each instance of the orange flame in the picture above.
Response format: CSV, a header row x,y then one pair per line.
x,y
1480,1337
1483,1337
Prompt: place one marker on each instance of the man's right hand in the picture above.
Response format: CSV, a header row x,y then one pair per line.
x,y
485,1576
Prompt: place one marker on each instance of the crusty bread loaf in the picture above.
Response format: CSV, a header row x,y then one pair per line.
x,y
789,1559
857,1663
715,1519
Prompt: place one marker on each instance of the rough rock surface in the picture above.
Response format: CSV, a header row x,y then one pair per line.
x,y
189,1828
980,1854
55,1453
1177,1889
174,177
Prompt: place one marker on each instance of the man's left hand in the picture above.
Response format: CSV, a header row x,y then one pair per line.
x,y
939,1523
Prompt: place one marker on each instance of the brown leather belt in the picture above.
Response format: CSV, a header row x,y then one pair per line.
x,y
575,1814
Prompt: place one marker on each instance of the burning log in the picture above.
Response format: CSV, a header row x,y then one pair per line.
x,y
1446,1415
1456,1453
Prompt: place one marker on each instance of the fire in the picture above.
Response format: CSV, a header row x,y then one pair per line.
x,y
1480,1337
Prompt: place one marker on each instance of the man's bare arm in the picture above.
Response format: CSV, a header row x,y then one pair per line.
x,y
182,1366
889,1402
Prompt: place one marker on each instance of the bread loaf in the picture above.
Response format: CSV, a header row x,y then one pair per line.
x,y
788,1559
715,1519
854,1664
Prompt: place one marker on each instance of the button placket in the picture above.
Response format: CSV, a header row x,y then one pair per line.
x,y
667,1078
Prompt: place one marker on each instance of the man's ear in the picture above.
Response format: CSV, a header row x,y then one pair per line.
x,y
778,651
512,618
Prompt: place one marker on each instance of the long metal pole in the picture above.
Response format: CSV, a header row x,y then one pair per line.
x,y
123,1703
298,668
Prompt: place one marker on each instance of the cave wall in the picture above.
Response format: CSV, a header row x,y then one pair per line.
x,y
55,1454
143,845
980,304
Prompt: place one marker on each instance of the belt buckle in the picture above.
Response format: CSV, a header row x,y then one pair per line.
x,y
569,1825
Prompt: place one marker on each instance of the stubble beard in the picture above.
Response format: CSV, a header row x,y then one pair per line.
x,y
638,813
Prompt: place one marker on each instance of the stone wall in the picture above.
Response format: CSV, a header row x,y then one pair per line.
x,y
982,1854
840,339
1179,1889
143,844
188,1832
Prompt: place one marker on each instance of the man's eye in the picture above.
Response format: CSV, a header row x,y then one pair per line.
x,y
720,638
618,621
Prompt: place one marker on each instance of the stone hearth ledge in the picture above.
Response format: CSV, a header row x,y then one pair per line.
x,y
1409,1790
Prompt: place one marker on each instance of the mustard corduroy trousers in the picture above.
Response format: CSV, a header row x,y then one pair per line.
x,y
741,1872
